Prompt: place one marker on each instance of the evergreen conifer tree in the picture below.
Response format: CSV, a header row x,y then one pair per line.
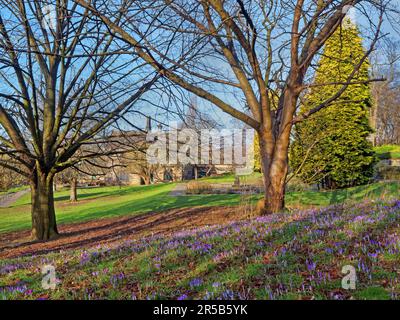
x,y
332,148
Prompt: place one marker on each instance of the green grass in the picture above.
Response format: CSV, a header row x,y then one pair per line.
x,y
282,256
14,189
323,198
93,203
389,151
223,178
103,202
230,178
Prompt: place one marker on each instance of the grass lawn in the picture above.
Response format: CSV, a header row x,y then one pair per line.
x,y
388,151
105,202
354,194
276,257
15,189
230,178
93,203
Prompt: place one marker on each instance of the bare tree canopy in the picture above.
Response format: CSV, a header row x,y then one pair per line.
x,y
64,82
385,113
252,59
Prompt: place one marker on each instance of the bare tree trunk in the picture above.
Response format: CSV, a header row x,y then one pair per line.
x,y
209,170
146,180
374,114
274,164
274,176
44,225
73,194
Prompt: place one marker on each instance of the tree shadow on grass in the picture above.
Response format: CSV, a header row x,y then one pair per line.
x,y
109,230
155,203
99,192
144,214
371,191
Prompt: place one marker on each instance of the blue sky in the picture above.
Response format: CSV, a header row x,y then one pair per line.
x,y
220,117
227,121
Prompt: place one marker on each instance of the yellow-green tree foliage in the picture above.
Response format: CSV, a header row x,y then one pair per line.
x,y
331,147
257,159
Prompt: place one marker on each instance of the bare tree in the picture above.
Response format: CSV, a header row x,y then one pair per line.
x,y
84,171
259,54
132,158
64,83
9,178
68,176
386,109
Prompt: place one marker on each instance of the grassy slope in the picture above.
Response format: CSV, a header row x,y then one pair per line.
x,y
15,189
284,256
388,151
114,201
94,203
230,178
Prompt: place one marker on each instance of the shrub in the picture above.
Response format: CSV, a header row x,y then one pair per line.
x,y
296,185
386,172
195,187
